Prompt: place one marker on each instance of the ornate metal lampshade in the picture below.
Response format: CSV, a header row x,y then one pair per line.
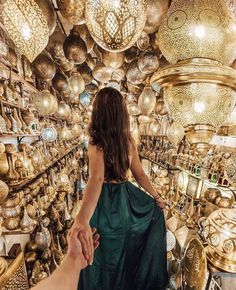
x,y
115,25
26,25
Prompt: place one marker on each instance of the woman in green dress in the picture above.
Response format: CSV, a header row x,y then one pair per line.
x,y
132,252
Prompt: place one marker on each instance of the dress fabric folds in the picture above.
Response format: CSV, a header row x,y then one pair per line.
x,y
132,252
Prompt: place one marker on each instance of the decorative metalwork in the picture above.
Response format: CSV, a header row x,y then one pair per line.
x,y
26,25
197,29
115,25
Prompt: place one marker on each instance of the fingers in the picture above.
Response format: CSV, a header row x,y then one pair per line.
x,y
96,241
84,244
92,249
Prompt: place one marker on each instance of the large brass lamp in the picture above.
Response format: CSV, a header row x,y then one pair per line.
x,y
27,26
115,25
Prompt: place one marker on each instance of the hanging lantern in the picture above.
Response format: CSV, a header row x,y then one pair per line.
x,y
143,119
44,67
63,111
175,133
45,103
85,99
60,82
115,25
76,83
202,29
147,101
72,10
49,134
113,59
154,128
75,48
76,130
49,13
65,133
26,25
156,10
133,109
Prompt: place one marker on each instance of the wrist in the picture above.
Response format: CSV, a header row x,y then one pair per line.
x,y
76,261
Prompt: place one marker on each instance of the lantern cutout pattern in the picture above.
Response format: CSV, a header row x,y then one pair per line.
x,y
26,25
115,25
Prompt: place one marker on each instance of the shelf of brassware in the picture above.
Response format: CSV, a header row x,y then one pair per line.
x,y
15,77
170,167
19,186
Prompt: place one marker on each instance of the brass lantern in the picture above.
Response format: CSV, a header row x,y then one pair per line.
x,y
72,10
27,26
147,101
115,25
197,29
45,103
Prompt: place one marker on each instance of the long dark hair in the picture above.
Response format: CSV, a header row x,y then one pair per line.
x,y
109,130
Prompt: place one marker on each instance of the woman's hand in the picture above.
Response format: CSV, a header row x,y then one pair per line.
x,y
159,201
85,236
75,250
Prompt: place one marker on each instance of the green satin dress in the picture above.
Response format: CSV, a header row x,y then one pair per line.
x,y
132,252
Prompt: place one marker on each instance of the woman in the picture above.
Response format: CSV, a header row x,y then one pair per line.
x,y
132,252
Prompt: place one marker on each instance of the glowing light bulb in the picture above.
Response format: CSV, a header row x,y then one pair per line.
x,y
199,107
200,31
26,31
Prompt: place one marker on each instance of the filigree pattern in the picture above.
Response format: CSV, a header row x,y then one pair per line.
x,y
197,28
117,25
26,25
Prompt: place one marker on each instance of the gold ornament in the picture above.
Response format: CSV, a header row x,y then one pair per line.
x,y
49,13
45,103
63,111
220,234
72,10
197,29
198,91
115,25
154,128
147,101
27,26
133,109
175,133
44,67
76,83
156,10
75,48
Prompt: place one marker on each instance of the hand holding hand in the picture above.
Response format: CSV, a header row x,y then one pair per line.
x,y
85,237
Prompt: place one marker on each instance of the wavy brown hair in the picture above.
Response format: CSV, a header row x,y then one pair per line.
x,y
109,130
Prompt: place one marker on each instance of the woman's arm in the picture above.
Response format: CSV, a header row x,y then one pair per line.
x,y
90,199
142,178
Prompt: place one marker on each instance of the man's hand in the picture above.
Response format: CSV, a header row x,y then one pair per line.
x,y
75,249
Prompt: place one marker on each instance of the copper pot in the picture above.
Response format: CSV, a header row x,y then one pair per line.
x,y
75,48
43,67
60,82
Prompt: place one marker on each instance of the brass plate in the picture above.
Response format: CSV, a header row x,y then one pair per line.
x,y
195,265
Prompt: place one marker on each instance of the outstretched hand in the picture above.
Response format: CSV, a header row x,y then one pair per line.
x,y
75,246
